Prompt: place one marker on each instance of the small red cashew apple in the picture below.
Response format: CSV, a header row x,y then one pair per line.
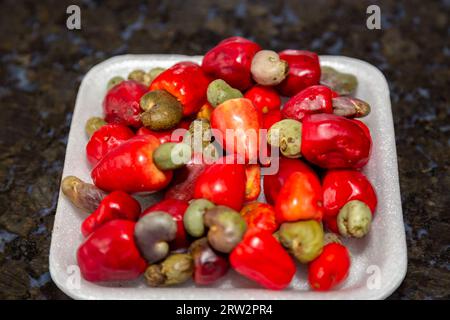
x,y
348,199
231,61
304,71
130,167
187,82
332,142
116,205
121,103
330,268
105,139
110,253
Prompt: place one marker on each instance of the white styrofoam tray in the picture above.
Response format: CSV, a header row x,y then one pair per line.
x,y
378,261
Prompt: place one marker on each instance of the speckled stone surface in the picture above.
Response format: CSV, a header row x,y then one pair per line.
x,y
42,64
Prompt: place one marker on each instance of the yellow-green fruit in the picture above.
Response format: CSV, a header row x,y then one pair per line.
x,y
162,110
153,73
354,219
93,124
171,155
287,135
304,239
175,269
114,81
219,91
193,217
139,76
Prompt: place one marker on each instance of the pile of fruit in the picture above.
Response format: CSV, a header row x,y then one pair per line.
x,y
225,112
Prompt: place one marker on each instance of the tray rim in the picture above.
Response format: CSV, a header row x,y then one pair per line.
x,y
229,293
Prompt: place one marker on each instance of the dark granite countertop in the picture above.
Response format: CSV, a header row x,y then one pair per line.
x,y
42,64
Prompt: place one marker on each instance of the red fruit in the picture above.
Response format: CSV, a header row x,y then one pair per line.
x,y
209,266
330,223
270,118
330,268
162,136
130,168
222,184
231,61
304,71
273,183
264,98
185,81
116,205
314,99
183,184
260,215
300,198
331,141
342,186
261,258
244,122
110,253
121,103
165,135
105,139
176,208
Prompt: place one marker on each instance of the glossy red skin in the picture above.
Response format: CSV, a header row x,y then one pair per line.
x,y
264,98
187,82
130,168
238,114
231,61
330,268
260,215
314,99
110,253
121,103
222,184
116,205
209,266
300,198
333,142
304,71
364,128
261,258
176,208
270,118
165,135
273,183
105,139
342,186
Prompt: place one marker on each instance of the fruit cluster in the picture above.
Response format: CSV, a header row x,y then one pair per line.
x,y
156,126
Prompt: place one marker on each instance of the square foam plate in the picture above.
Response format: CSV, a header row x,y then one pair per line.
x,y
378,260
